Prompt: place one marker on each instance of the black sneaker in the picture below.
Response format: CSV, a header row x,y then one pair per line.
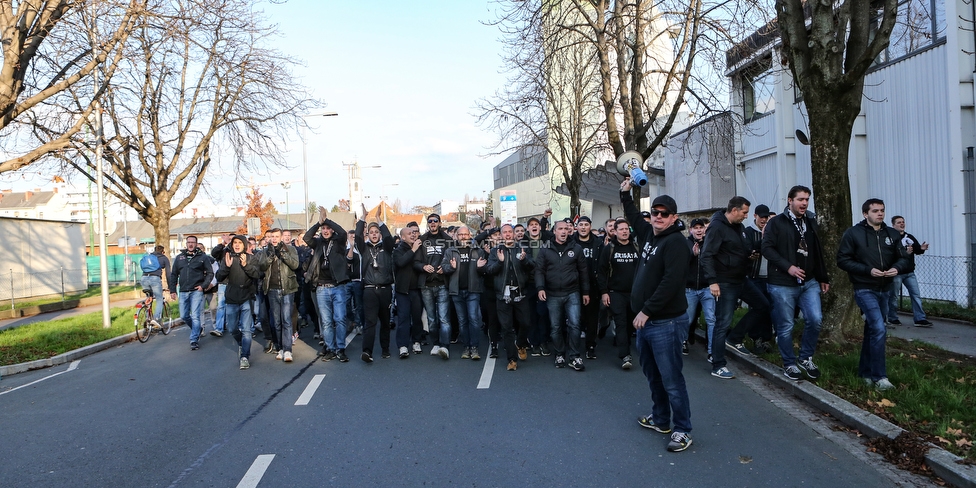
x,y
923,323
342,356
684,348
627,362
494,351
386,354
709,359
809,368
535,351
560,362
366,357
328,355
590,353
646,421
194,346
679,442
793,373
577,364
545,350
895,322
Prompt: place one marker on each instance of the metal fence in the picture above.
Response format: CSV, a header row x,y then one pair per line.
x,y
19,286
947,278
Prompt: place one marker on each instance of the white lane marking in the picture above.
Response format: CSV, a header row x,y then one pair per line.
x,y
256,471
313,385
486,373
71,367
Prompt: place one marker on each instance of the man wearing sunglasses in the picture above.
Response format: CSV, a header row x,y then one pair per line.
x,y
796,276
726,260
433,285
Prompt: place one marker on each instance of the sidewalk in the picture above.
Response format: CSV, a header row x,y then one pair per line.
x,y
951,335
60,314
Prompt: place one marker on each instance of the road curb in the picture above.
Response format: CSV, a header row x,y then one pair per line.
x,y
73,355
943,463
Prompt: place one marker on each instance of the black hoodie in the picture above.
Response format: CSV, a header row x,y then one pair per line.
x,y
725,255
616,266
659,283
240,279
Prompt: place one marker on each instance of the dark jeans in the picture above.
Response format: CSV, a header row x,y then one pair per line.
x,y
873,305
659,346
410,325
564,316
539,331
376,303
590,320
623,320
764,329
510,314
755,319
729,295
240,321
354,307
281,311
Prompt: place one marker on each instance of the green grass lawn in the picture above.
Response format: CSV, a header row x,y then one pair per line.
x,y
90,292
42,340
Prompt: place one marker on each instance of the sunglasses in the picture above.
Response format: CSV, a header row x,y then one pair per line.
x,y
660,213
432,221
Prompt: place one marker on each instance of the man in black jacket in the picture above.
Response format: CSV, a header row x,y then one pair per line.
x,y
796,275
872,255
762,333
191,274
662,322
376,249
464,265
615,277
913,247
428,264
239,271
590,313
409,302
563,279
726,258
329,273
509,264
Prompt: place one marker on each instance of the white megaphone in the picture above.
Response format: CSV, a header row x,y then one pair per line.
x,y
629,164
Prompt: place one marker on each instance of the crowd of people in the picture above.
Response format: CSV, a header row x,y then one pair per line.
x,y
554,289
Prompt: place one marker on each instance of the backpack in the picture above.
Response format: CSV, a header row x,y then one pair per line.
x,y
149,263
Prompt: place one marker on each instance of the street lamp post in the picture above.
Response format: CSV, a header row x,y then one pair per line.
x,y
305,156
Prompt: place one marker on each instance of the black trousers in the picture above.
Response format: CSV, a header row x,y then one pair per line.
x,y
376,308
489,314
623,321
590,320
510,314
752,322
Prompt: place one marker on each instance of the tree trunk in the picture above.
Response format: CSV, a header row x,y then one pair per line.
x,y
831,124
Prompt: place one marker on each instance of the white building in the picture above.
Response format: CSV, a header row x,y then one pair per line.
x,y
912,144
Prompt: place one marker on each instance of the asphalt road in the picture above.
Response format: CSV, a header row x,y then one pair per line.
x,y
158,414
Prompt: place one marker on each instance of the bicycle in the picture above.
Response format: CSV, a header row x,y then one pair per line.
x,y
144,318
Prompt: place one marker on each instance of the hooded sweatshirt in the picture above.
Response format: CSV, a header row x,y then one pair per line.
x,y
240,279
659,283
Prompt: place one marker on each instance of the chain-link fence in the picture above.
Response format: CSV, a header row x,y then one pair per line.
x,y
16,286
947,278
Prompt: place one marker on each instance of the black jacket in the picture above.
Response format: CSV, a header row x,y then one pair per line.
x,y
240,280
616,266
725,255
323,254
755,241
591,251
512,270
561,269
377,259
781,239
191,270
912,241
862,248
695,279
432,253
465,256
406,277
658,290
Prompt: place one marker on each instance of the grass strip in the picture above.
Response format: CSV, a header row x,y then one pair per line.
x,y
90,292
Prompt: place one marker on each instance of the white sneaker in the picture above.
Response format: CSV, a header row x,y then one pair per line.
x,y
435,350
288,357
279,355
404,352
883,384
444,353
416,348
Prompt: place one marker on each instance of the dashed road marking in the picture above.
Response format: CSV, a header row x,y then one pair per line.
x,y
486,373
256,471
71,367
313,385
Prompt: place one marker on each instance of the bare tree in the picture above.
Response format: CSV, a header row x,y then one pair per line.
x,y
198,86
49,48
829,59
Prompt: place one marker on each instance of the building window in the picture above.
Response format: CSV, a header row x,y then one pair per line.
x,y
920,24
758,90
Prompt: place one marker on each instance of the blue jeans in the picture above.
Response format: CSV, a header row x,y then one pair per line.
x,y
468,308
355,304
241,321
155,283
332,315
659,347
280,305
872,362
911,284
564,317
707,301
219,319
437,303
191,309
785,301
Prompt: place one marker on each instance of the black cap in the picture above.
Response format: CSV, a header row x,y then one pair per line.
x,y
762,211
585,219
536,219
646,214
667,202
698,221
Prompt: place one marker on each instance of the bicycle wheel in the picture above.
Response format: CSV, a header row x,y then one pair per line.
x,y
165,321
143,327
